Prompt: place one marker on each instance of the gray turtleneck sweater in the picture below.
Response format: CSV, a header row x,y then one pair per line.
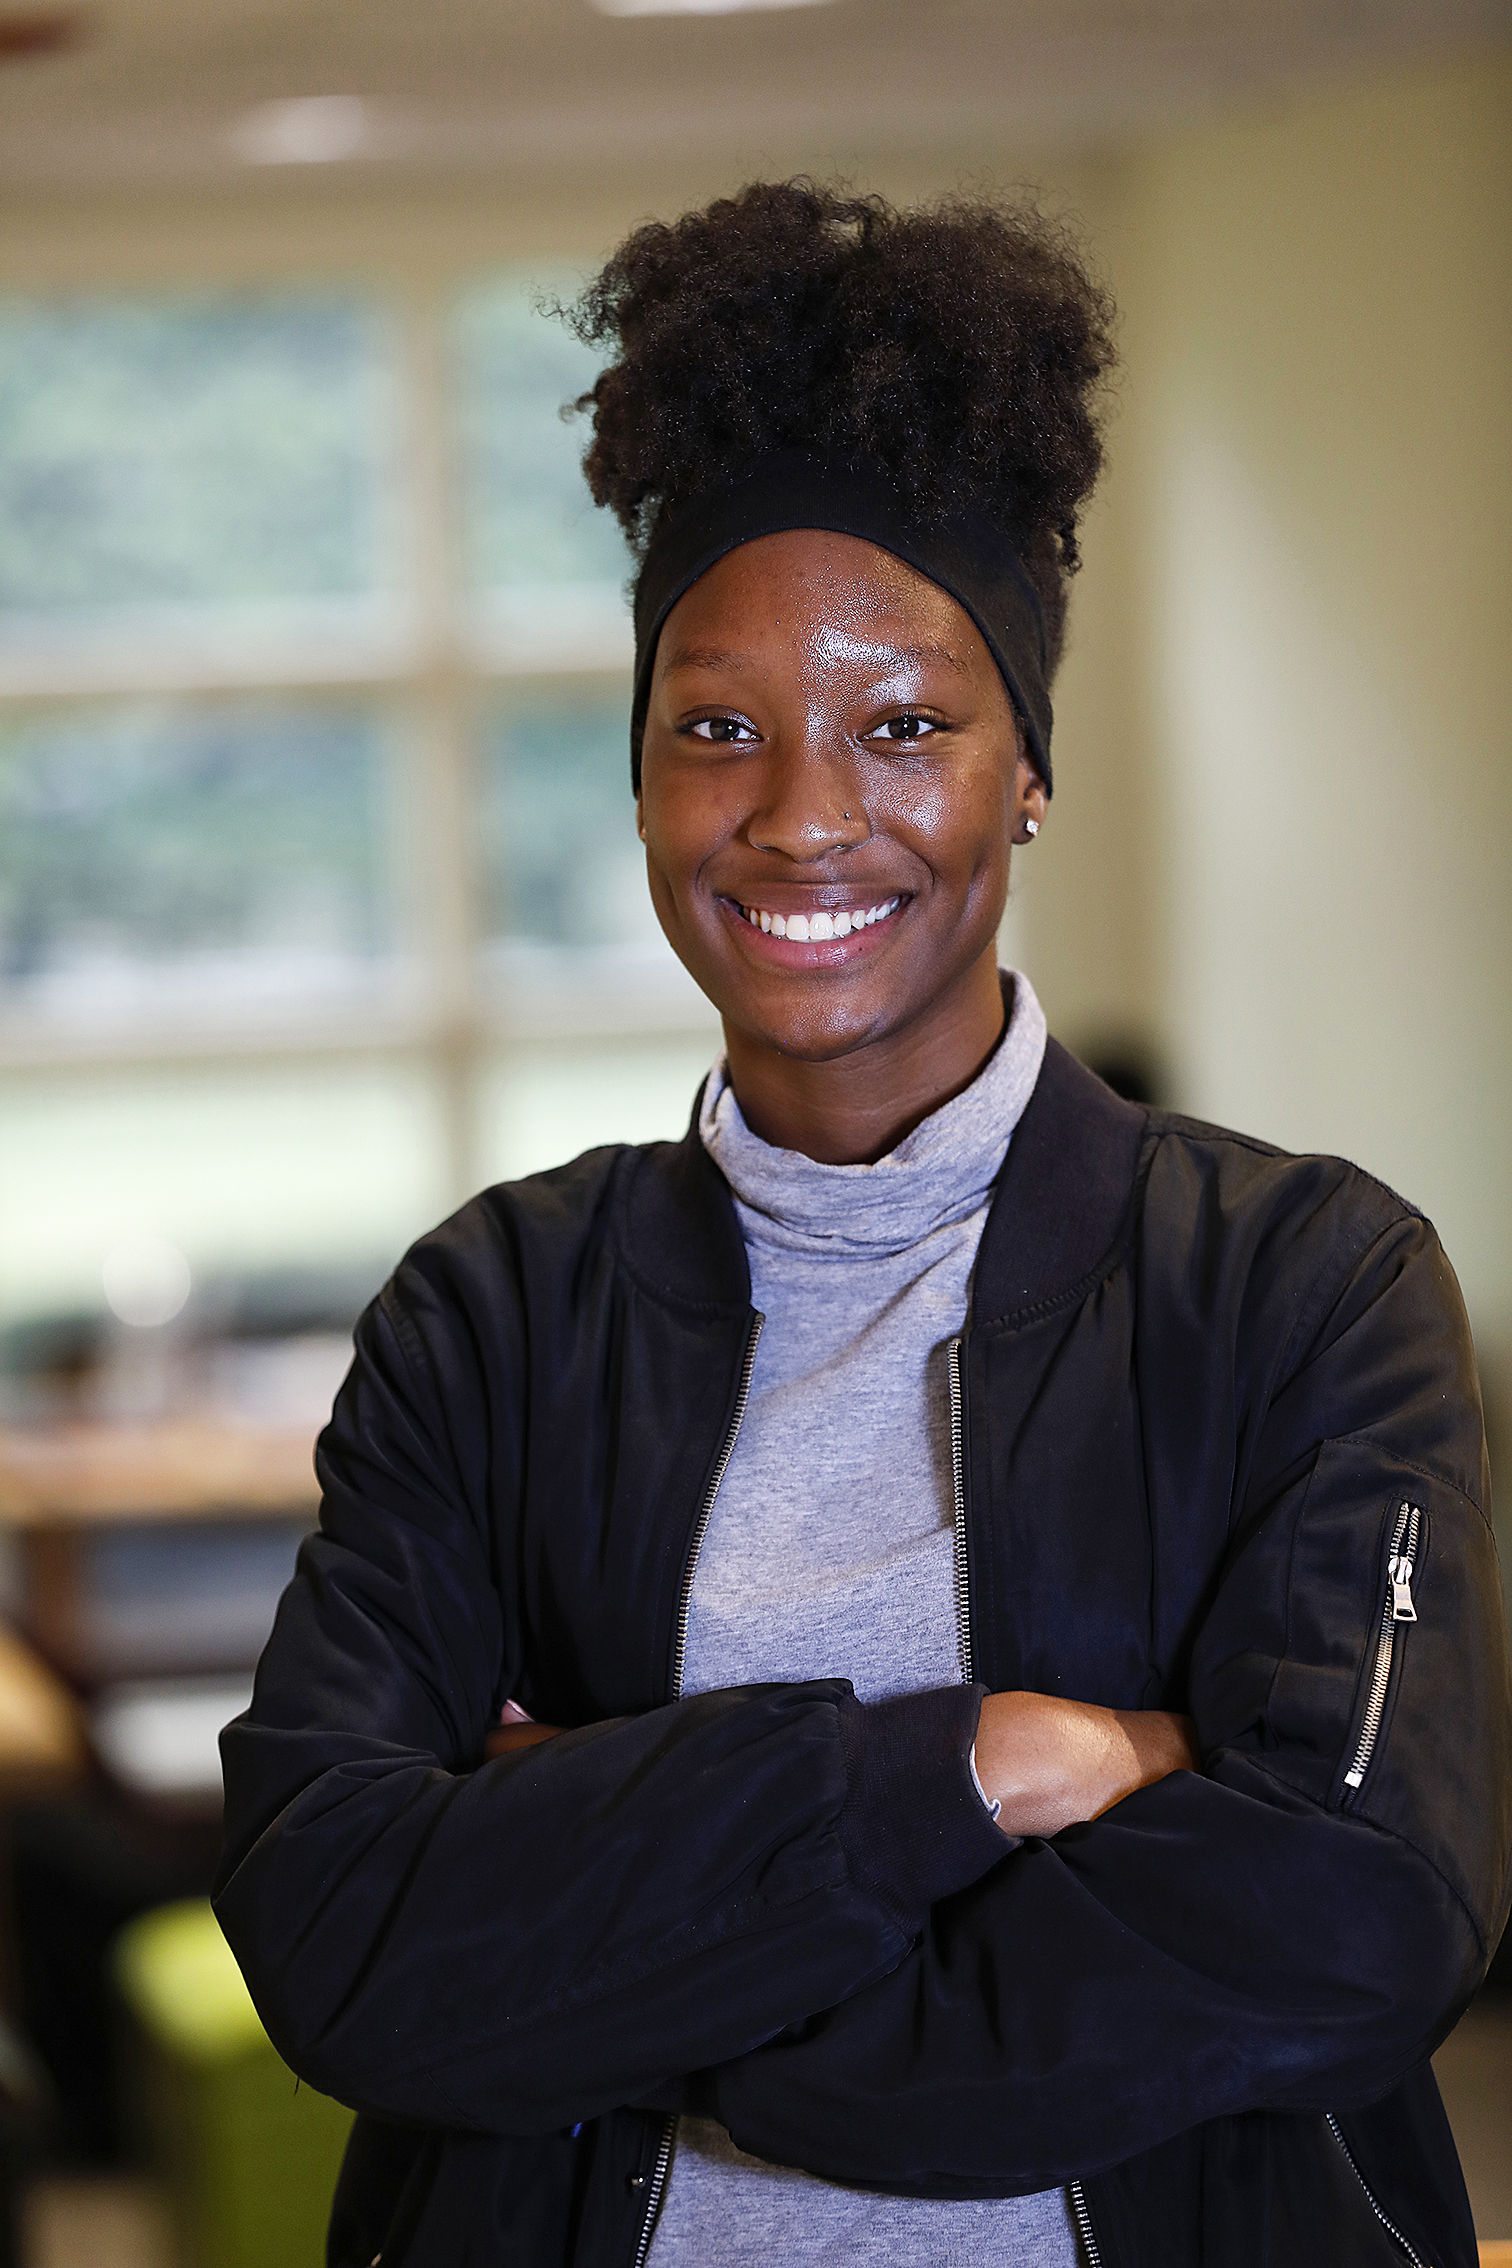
x,y
830,1553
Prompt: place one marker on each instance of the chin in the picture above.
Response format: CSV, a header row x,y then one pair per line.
x,y
820,1034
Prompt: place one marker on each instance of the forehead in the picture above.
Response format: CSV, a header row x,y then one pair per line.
x,y
815,589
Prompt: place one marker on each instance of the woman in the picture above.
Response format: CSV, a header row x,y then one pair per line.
x,y
1014,1566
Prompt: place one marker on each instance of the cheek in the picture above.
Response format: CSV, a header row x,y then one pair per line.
x,y
683,830
959,824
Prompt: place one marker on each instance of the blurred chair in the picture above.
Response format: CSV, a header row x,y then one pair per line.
x,y
42,1752
41,1736
247,2158
145,1561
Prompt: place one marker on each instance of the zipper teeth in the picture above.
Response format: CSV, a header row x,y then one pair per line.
x,y
663,2165
659,2174
1403,1539
1385,2220
958,1489
1092,2257
705,1511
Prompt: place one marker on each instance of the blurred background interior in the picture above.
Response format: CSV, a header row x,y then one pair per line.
x,y
320,898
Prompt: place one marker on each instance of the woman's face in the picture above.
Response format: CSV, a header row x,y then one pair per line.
x,y
829,752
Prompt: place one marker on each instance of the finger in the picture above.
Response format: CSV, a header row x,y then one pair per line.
x,y
508,1738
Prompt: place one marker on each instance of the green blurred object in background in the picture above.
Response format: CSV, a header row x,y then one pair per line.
x,y
248,2158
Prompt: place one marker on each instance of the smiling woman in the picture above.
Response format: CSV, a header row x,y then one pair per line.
x,y
919,1675
831,777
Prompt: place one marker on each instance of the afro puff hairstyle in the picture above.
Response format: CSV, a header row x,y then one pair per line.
x,y
961,348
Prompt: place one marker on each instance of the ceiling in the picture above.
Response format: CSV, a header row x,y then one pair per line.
x,y
173,91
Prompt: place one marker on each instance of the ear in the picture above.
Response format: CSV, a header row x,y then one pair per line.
x,y
640,817
1030,800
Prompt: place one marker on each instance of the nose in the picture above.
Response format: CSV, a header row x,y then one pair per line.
x,y
810,805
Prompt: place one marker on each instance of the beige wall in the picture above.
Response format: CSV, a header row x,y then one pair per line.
x,y
1283,844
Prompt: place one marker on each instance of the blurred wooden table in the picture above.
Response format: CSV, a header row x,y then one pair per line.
x,y
82,1475
68,1492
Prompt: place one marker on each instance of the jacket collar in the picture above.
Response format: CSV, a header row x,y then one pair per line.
x,y
678,1230
1064,1192
1060,1202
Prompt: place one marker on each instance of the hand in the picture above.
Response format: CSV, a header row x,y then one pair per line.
x,y
523,1734
1052,1763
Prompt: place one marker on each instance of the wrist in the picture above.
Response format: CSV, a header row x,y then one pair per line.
x,y
914,1827
992,1804
1053,1763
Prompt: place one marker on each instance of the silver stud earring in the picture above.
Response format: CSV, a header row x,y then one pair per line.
x,y
1031,828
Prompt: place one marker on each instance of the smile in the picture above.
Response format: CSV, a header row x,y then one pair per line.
x,y
818,928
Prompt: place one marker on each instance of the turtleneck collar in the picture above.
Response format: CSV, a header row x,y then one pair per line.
x,y
939,1174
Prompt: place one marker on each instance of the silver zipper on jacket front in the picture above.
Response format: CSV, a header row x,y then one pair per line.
x,y
1398,1608
659,2172
1091,2257
664,2147
1370,2198
958,1486
706,1509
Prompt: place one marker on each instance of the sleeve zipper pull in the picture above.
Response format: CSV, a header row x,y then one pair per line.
x,y
1398,1607
1402,1608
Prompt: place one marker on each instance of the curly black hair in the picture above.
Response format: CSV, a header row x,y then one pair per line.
x,y
962,347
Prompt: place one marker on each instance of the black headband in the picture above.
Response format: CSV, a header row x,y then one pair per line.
x,y
964,553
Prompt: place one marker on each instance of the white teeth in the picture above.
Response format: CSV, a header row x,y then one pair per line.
x,y
818,928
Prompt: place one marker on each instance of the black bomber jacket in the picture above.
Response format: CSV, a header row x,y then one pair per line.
x,y
1220,1450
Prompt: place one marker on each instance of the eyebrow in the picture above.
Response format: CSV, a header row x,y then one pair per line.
x,y
704,657
935,654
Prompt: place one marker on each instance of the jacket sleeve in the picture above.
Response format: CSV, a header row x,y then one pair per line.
x,y
1261,1933
515,1945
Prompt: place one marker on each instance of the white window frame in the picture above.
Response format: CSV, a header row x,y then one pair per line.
x,y
440,658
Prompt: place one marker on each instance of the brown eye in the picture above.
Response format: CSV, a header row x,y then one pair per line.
x,y
721,730
907,727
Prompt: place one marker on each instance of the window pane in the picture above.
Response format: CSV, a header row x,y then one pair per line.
x,y
237,1170
563,863
547,1102
194,852
214,450
530,518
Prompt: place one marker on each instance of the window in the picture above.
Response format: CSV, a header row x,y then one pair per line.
x,y
320,896
161,852
563,865
218,452
531,525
